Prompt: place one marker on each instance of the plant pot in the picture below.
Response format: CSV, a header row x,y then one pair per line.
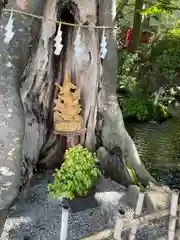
x,y
82,203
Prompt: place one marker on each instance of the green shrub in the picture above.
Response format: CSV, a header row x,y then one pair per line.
x,y
166,52
161,111
127,71
135,85
135,106
77,174
142,108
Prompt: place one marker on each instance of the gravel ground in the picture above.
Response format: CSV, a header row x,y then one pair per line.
x,y
38,218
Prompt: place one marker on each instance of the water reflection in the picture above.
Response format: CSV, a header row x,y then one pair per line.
x,y
159,148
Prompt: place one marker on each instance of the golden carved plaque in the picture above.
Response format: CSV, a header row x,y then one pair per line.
x,y
67,108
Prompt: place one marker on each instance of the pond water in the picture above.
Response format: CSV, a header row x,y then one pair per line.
x,y
159,147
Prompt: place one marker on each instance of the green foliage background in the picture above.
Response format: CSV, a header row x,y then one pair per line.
x,y
139,81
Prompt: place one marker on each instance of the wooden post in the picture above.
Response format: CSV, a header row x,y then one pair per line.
x,y
104,234
72,141
173,214
64,222
142,220
72,138
119,224
136,214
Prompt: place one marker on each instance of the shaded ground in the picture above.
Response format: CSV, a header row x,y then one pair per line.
x,y
38,218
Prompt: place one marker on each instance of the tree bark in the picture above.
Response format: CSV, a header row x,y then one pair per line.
x,y
13,60
28,132
136,25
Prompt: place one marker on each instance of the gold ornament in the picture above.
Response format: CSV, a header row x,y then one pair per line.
x,y
67,108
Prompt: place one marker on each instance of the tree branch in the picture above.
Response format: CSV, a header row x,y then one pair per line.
x,y
120,9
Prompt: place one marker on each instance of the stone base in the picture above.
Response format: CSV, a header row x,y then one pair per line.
x,y
157,198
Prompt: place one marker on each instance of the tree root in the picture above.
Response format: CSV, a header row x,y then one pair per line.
x,y
114,134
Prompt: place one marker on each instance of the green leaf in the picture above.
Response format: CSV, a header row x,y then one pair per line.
x,y
76,174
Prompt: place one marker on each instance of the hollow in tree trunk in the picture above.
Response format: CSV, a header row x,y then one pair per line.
x,y
29,70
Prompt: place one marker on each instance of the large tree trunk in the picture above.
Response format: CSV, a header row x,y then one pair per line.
x,y
28,131
14,58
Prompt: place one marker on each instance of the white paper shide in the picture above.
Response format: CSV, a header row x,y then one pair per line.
x,y
58,41
9,34
103,46
77,44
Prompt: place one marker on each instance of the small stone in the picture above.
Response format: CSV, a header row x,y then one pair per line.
x,y
157,198
132,195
